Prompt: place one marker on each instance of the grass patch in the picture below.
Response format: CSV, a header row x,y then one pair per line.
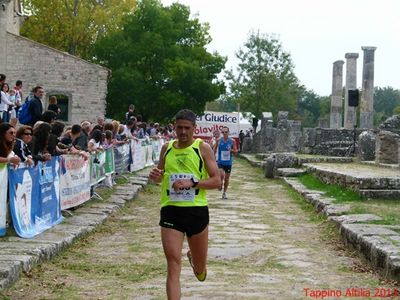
x,y
305,206
388,210
341,194
388,219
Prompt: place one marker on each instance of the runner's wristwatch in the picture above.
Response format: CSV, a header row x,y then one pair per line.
x,y
194,181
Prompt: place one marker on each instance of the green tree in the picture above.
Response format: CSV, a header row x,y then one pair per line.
x,y
160,63
312,107
73,26
265,79
308,108
385,101
396,110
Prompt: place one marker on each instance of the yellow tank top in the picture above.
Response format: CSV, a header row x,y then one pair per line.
x,y
183,164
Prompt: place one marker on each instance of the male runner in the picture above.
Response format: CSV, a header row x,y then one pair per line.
x,y
225,147
186,169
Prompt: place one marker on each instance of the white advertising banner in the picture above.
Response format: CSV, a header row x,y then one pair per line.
x,y
138,153
210,121
74,181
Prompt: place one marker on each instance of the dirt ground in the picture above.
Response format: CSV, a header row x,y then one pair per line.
x,y
265,243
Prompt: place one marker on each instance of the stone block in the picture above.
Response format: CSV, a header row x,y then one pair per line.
x,y
368,229
387,147
290,172
9,273
42,250
85,219
391,124
336,210
392,268
286,160
27,261
269,169
105,207
354,218
366,146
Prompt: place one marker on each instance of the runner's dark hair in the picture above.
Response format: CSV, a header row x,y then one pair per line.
x,y
186,114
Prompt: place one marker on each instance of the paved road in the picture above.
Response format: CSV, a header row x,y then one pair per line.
x,y
263,245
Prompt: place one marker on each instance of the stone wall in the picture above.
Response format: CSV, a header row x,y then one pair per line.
x,y
388,141
59,73
387,147
325,141
285,137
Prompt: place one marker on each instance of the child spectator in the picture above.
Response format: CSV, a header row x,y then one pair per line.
x,y
53,106
129,114
108,139
95,141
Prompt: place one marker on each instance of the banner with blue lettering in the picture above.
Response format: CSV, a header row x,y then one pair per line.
x,y
34,197
74,181
211,121
3,198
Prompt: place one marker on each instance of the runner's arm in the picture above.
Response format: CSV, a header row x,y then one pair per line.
x,y
214,179
234,148
215,146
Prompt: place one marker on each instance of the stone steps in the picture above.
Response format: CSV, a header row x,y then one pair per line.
x,y
290,172
355,182
327,159
383,194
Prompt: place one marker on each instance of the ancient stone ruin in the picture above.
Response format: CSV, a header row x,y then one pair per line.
x,y
343,138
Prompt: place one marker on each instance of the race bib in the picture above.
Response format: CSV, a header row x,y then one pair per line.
x,y
186,194
225,155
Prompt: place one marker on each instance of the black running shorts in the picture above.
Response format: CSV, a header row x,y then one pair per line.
x,y
226,168
189,220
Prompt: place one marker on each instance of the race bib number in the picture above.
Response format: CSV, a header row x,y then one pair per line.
x,y
186,194
225,155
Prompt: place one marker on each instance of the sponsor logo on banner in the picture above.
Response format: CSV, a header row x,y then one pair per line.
x,y
74,181
211,121
34,197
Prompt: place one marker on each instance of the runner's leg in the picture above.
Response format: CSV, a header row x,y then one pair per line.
x,y
172,241
198,245
222,173
226,181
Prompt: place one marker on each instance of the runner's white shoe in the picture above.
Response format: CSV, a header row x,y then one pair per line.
x,y
224,196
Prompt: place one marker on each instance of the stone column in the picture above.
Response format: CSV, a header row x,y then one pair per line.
x,y
350,118
367,96
336,97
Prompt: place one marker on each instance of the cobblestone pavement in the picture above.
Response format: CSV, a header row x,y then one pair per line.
x,y
263,245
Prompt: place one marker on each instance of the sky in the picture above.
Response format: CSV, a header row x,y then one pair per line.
x,y
316,33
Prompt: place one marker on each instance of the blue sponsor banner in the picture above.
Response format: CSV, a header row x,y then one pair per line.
x,y
34,197
3,198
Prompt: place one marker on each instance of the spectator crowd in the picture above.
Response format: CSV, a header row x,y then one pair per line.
x,y
29,134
